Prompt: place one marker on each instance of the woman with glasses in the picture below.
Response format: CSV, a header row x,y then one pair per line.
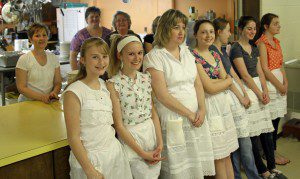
x,y
122,23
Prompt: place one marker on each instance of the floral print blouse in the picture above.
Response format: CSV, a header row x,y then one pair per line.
x,y
135,97
212,71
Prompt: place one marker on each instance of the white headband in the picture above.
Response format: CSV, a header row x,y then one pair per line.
x,y
127,40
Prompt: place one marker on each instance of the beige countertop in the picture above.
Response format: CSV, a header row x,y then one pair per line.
x,y
29,129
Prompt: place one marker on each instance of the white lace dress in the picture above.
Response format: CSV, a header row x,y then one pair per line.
x,y
136,107
188,149
259,114
241,119
97,134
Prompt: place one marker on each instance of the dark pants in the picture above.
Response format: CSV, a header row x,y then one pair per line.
x,y
268,148
275,125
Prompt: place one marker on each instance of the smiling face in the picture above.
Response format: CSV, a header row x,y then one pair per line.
x,y
39,39
249,30
224,34
274,27
205,35
177,33
121,23
132,56
95,61
93,19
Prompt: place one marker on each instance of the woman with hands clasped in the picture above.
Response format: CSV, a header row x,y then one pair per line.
x,y
37,72
239,102
245,59
135,117
179,98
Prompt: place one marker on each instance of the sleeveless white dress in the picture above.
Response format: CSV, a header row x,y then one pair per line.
x,y
97,134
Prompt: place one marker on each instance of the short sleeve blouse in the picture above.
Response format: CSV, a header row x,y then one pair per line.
x,y
180,74
39,78
275,56
135,97
212,71
82,35
250,60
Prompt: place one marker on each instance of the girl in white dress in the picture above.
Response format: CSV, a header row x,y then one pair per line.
x,y
95,152
135,118
216,82
38,72
179,100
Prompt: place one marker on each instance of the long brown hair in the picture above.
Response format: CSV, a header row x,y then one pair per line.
x,y
88,43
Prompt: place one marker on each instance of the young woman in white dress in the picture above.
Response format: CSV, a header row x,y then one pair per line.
x,y
135,118
179,100
95,151
216,82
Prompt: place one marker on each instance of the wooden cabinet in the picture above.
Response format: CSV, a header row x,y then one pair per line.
x,y
49,165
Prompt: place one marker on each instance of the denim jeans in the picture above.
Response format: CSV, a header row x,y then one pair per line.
x,y
245,155
268,148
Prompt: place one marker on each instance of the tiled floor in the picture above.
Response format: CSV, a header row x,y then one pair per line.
x,y
290,148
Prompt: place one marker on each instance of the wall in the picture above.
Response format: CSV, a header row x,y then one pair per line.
x,y
288,12
221,7
142,12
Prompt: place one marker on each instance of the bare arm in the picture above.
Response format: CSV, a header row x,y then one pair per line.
x,y
268,74
21,80
72,119
285,80
210,86
242,97
266,98
73,60
159,87
238,80
121,129
157,127
56,83
201,101
261,77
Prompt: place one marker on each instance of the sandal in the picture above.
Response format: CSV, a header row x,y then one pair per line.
x,y
281,160
278,174
271,176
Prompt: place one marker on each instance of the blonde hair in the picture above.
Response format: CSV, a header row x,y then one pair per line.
x,y
115,63
166,22
88,43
